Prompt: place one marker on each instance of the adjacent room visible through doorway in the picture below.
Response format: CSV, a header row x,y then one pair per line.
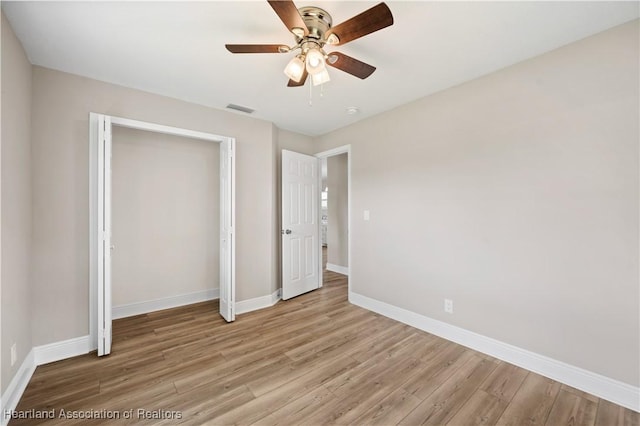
x,y
334,212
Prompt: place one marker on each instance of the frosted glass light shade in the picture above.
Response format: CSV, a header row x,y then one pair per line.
x,y
295,69
321,77
315,61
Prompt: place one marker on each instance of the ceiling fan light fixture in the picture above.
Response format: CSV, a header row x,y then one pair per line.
x,y
313,30
295,69
321,77
315,61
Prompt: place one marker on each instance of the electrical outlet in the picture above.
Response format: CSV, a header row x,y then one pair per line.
x,y
14,354
448,306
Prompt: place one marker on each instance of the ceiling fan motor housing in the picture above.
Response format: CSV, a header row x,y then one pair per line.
x,y
318,22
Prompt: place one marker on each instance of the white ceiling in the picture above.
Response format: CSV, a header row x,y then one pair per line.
x,y
177,49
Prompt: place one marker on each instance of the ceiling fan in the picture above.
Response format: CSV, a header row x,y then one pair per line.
x,y
313,30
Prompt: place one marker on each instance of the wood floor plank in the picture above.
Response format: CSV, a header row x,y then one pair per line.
x,y
205,404
379,343
438,370
167,371
276,378
532,402
390,410
300,410
505,381
572,410
481,409
311,360
444,402
328,341
362,394
268,403
580,393
365,372
610,414
235,378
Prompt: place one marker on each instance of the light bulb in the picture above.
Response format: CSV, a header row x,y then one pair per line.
x,y
295,69
315,61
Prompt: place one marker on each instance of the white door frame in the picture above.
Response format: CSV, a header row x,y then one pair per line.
x,y
344,149
98,160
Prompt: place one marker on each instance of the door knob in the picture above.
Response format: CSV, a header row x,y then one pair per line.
x,y
285,231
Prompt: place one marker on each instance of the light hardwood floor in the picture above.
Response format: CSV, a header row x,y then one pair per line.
x,y
312,360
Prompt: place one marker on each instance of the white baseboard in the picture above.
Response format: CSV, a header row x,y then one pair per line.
x,y
16,388
603,387
62,350
256,303
337,268
139,308
39,355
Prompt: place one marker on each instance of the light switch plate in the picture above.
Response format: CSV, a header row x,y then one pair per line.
x,y
14,354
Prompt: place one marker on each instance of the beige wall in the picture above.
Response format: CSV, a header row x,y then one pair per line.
x,y
61,107
16,203
337,204
295,142
515,195
166,211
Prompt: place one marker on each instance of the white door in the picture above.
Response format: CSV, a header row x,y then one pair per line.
x,y
227,232
104,235
300,224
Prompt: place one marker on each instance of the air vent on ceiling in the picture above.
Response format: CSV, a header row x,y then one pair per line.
x,y
241,108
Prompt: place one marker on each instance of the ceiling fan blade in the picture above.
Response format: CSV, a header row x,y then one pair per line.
x,y
350,65
293,83
256,48
369,21
289,15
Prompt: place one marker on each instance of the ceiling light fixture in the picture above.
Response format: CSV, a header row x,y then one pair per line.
x,y
321,77
315,61
312,28
295,69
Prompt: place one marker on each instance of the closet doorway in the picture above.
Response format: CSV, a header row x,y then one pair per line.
x,y
100,138
335,211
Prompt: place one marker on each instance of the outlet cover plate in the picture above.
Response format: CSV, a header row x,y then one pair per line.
x,y
448,306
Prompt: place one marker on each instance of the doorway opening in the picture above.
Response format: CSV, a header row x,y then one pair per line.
x,y
100,169
165,214
335,213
